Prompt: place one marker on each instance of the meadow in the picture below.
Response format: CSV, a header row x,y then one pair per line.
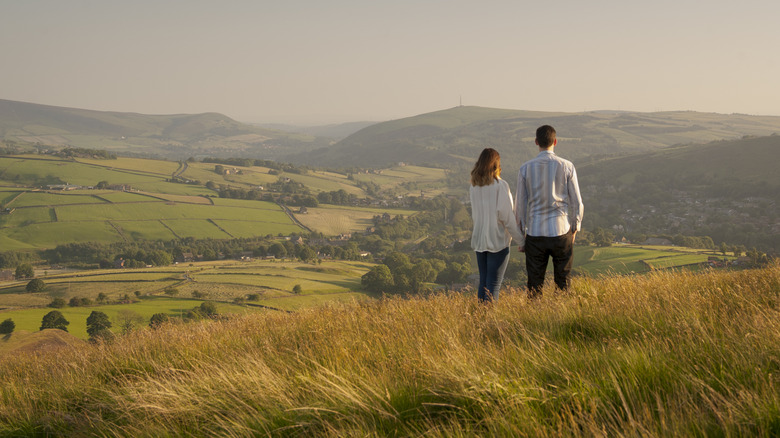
x,y
333,220
44,219
663,354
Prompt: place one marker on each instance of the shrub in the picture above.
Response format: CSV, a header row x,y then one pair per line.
x,y
57,303
35,285
158,319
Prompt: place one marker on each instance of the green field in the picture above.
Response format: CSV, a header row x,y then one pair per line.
x,y
159,167
32,169
28,199
628,259
332,220
162,211
30,319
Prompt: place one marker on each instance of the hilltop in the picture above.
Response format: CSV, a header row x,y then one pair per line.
x,y
455,136
666,354
168,136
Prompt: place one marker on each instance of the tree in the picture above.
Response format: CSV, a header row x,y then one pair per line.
x,y
603,238
128,320
54,320
378,279
454,273
171,291
35,285
7,327
297,289
24,270
158,319
98,326
305,253
101,298
724,248
277,250
208,308
160,258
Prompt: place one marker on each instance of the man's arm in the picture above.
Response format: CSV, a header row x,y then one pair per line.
x,y
575,201
521,202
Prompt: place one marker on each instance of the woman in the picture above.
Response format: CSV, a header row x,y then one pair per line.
x,y
494,223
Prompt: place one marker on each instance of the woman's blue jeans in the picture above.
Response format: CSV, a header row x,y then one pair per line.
x,y
492,266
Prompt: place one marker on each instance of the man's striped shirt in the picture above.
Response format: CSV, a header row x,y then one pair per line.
x,y
548,196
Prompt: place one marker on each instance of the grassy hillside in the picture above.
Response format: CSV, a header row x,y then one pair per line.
x,y
668,354
728,190
171,136
453,136
712,166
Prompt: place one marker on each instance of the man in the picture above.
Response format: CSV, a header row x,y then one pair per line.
x,y
547,190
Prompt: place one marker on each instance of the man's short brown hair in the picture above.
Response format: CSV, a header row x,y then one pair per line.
x,y
545,136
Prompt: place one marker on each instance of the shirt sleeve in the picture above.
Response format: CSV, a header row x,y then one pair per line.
x,y
575,200
521,202
506,214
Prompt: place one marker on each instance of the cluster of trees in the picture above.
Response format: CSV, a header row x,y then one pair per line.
x,y
13,259
249,162
399,273
286,191
337,197
87,153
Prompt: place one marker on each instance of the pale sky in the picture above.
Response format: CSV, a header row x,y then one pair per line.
x,y
328,61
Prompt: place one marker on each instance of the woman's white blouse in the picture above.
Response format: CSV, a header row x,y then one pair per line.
x,y
494,219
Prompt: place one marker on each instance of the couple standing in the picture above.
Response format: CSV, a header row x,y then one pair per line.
x,y
539,221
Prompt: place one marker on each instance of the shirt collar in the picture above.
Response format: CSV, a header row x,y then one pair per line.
x,y
545,153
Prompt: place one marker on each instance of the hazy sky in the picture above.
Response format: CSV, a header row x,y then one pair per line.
x,y
324,61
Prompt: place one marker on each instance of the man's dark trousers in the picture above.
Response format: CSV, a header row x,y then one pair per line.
x,y
538,250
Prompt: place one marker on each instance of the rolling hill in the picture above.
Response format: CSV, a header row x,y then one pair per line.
x,y
167,136
728,190
454,136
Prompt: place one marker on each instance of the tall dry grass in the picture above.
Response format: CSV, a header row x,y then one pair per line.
x,y
666,354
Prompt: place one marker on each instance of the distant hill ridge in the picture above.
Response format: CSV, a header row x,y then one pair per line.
x,y
176,136
456,135
446,138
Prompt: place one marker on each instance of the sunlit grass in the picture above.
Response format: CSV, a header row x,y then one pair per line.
x,y
666,354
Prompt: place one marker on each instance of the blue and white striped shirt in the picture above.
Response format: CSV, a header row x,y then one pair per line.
x,y
547,190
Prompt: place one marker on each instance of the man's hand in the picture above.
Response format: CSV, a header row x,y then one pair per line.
x,y
573,235
521,248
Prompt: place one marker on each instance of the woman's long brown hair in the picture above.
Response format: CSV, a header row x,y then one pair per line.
x,y
487,169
